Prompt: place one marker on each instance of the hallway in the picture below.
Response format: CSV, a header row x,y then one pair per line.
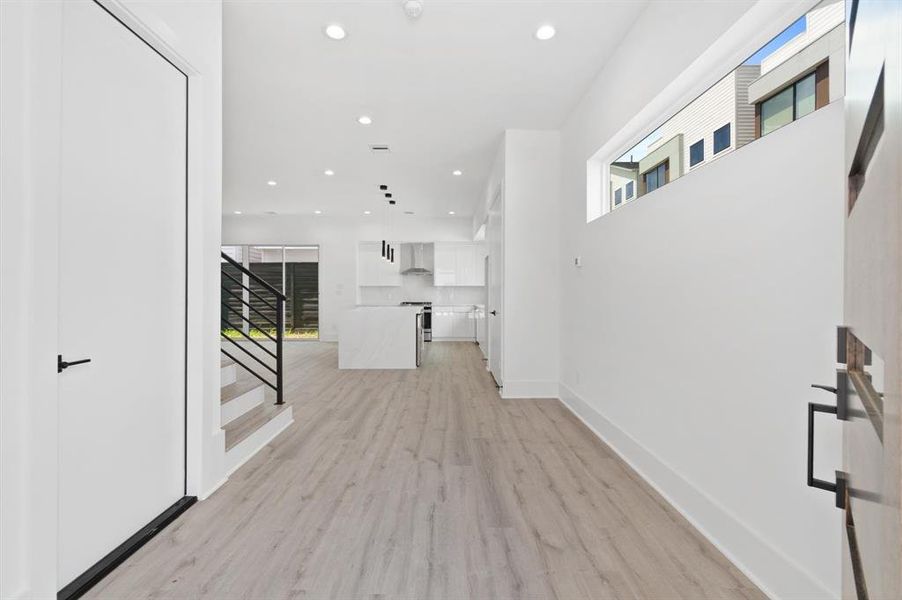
x,y
425,484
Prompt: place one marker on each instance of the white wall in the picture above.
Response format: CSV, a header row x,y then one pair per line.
x,y
531,285
704,310
191,35
338,238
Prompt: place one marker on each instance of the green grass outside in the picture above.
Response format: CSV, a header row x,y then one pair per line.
x,y
290,334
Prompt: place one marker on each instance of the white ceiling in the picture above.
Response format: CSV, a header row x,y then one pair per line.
x,y
440,90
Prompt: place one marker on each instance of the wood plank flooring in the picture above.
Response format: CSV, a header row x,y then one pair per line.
x,y
425,484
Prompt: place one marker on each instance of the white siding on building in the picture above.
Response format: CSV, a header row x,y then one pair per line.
x,y
819,21
710,111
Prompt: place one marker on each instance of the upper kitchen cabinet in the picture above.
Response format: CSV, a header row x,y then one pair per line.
x,y
459,264
373,270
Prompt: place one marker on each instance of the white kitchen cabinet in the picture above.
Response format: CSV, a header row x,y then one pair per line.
x,y
442,322
444,270
459,264
373,270
453,323
462,324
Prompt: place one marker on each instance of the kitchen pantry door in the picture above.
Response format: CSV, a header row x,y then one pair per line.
x,y
121,286
870,386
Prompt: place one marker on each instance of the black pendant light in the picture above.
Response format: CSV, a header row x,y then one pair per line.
x,y
393,255
383,248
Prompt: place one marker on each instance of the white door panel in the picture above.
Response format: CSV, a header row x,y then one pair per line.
x,y
495,243
122,286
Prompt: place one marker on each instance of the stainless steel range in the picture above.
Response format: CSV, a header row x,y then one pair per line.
x,y
427,318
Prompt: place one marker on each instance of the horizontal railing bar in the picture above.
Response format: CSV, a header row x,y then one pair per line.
x,y
253,276
244,287
259,345
248,321
248,352
241,300
248,369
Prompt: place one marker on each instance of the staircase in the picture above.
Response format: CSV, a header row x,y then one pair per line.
x,y
252,407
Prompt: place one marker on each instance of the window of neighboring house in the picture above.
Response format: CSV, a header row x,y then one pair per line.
x,y
722,138
618,198
655,177
696,153
791,103
813,33
629,190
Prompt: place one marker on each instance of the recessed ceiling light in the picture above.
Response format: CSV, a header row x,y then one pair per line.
x,y
335,32
329,172
367,212
237,212
270,182
317,212
450,212
365,120
457,172
545,32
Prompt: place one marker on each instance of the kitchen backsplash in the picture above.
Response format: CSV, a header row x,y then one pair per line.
x,y
416,288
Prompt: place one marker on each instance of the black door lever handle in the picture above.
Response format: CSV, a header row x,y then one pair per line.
x,y
62,365
826,388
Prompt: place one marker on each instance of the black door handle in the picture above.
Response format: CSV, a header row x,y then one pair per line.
x,y
839,487
62,365
494,312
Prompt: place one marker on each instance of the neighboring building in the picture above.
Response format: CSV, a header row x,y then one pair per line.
x,y
714,124
804,74
624,182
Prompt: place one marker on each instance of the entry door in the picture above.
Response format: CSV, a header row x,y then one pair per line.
x,y
494,236
872,552
121,286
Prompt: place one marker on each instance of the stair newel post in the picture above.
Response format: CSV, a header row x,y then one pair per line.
x,y
280,322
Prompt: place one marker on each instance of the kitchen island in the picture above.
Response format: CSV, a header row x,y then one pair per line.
x,y
379,337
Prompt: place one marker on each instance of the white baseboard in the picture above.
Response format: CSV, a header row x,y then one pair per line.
x,y
530,389
773,572
212,489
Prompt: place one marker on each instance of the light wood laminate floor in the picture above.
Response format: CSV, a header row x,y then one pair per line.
x,y
425,484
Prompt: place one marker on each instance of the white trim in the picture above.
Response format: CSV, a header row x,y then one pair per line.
x,y
212,489
766,566
761,23
530,389
246,449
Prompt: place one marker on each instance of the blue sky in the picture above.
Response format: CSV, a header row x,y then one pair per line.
x,y
775,44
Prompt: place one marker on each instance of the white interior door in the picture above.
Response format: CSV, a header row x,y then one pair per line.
x,y
494,235
122,286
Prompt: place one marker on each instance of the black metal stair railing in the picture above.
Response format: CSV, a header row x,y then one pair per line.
x,y
265,299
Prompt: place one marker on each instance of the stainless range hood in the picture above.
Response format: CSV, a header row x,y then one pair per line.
x,y
417,259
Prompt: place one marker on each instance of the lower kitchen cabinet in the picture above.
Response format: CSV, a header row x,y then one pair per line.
x,y
453,323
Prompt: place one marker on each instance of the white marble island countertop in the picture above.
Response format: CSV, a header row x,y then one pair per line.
x,y
378,337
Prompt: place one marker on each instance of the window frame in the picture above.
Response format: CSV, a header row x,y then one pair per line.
x,y
729,127
821,74
700,160
629,190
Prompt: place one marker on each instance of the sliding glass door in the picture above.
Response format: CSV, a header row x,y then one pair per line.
x,y
293,270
